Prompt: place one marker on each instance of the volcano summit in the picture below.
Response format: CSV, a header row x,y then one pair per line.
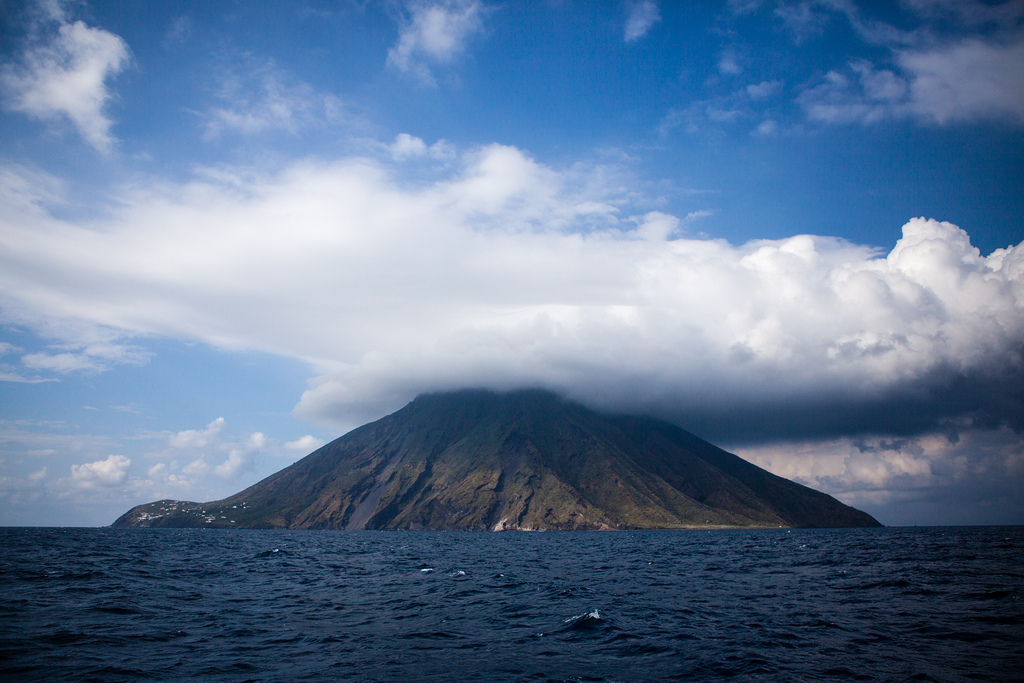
x,y
524,460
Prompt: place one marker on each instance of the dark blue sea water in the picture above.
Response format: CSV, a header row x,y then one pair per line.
x,y
910,604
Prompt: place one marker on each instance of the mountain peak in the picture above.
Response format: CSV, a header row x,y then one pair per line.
x,y
520,460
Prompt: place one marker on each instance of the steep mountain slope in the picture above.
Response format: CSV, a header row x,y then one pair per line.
x,y
527,460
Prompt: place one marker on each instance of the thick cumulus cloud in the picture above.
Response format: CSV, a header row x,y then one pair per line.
x,y
501,272
804,336
110,472
199,447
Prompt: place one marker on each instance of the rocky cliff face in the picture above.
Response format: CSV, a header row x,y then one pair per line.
x,y
525,460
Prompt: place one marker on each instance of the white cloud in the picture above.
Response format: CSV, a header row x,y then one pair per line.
x,y
729,63
110,472
848,465
257,99
903,478
236,462
58,362
809,18
200,464
196,438
96,357
804,19
437,33
408,146
53,10
67,77
656,226
949,60
203,446
642,16
841,100
968,80
739,107
162,476
84,347
763,90
9,373
197,468
500,271
305,444
178,33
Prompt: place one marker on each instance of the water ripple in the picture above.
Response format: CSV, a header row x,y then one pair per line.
x,y
811,605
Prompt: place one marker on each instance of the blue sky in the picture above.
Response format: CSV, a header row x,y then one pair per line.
x,y
229,232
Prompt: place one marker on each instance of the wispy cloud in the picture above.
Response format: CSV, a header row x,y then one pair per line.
x,y
861,95
763,90
641,18
259,98
96,357
12,373
66,76
962,61
747,107
435,34
966,81
729,63
803,19
808,19
178,33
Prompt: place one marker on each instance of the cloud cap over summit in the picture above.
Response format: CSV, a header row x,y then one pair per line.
x,y
289,221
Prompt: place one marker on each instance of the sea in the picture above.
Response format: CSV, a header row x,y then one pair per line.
x,y
891,604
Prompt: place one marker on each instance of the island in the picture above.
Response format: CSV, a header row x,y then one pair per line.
x,y
526,460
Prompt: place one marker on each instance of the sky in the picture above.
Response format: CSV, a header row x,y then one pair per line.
x,y
232,231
